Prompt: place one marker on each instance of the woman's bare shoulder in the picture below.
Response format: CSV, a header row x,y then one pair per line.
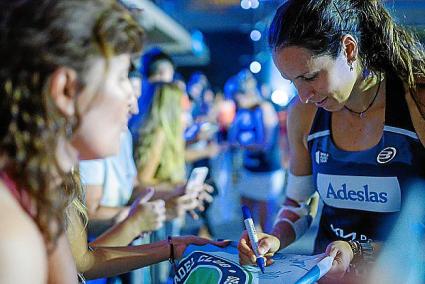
x,y
22,251
300,117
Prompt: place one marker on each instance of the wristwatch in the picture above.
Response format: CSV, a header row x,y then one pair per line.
x,y
363,256
367,252
362,250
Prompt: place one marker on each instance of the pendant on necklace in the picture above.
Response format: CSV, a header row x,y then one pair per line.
x,y
361,115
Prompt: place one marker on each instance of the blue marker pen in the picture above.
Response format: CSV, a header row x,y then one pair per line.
x,y
317,272
249,225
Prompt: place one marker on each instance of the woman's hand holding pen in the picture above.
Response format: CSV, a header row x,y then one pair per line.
x,y
343,254
267,246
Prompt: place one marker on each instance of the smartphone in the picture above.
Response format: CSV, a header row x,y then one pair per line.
x,y
197,178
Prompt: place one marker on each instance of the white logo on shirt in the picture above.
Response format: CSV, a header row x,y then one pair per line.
x,y
339,232
321,157
386,155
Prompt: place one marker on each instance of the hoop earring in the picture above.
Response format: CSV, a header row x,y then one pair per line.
x,y
68,131
69,127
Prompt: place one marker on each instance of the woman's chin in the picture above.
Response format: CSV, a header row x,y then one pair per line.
x,y
333,108
99,152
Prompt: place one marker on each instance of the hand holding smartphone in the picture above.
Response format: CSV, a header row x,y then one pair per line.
x,y
195,182
196,179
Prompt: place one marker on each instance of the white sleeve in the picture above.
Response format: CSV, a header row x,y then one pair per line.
x,y
92,172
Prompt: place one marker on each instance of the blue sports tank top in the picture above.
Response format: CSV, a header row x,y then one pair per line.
x,y
363,191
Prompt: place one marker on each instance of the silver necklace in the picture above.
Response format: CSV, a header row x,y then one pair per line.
x,y
361,113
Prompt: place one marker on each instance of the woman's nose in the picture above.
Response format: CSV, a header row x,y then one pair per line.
x,y
305,95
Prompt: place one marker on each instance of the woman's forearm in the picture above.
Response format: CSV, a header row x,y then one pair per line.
x,y
121,234
103,261
284,232
110,261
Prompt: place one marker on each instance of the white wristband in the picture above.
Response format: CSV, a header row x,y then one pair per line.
x,y
300,226
300,188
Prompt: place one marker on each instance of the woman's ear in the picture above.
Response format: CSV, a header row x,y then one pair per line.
x,y
350,47
63,90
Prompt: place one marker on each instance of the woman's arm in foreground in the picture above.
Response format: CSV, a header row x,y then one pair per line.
x,y
61,263
109,261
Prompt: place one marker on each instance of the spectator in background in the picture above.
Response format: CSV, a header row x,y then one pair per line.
x,y
256,130
160,157
111,182
160,149
224,110
108,184
201,136
155,66
200,94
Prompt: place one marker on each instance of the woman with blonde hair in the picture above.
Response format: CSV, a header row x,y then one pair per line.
x,y
160,149
65,95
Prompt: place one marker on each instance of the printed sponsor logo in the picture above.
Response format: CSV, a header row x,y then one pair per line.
x,y
356,195
348,236
377,194
386,155
193,268
321,157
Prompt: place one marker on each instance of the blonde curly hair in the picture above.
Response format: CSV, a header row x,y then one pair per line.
x,y
36,38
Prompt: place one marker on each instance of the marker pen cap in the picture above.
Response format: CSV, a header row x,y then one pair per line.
x,y
246,213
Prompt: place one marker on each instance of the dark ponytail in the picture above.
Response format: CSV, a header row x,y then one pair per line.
x,y
319,25
386,46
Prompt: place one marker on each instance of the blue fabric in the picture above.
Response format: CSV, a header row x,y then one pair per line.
x,y
363,191
261,153
247,128
266,159
192,131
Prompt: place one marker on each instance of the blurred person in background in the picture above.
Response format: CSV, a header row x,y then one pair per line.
x,y
108,185
201,137
256,130
160,159
138,219
155,66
